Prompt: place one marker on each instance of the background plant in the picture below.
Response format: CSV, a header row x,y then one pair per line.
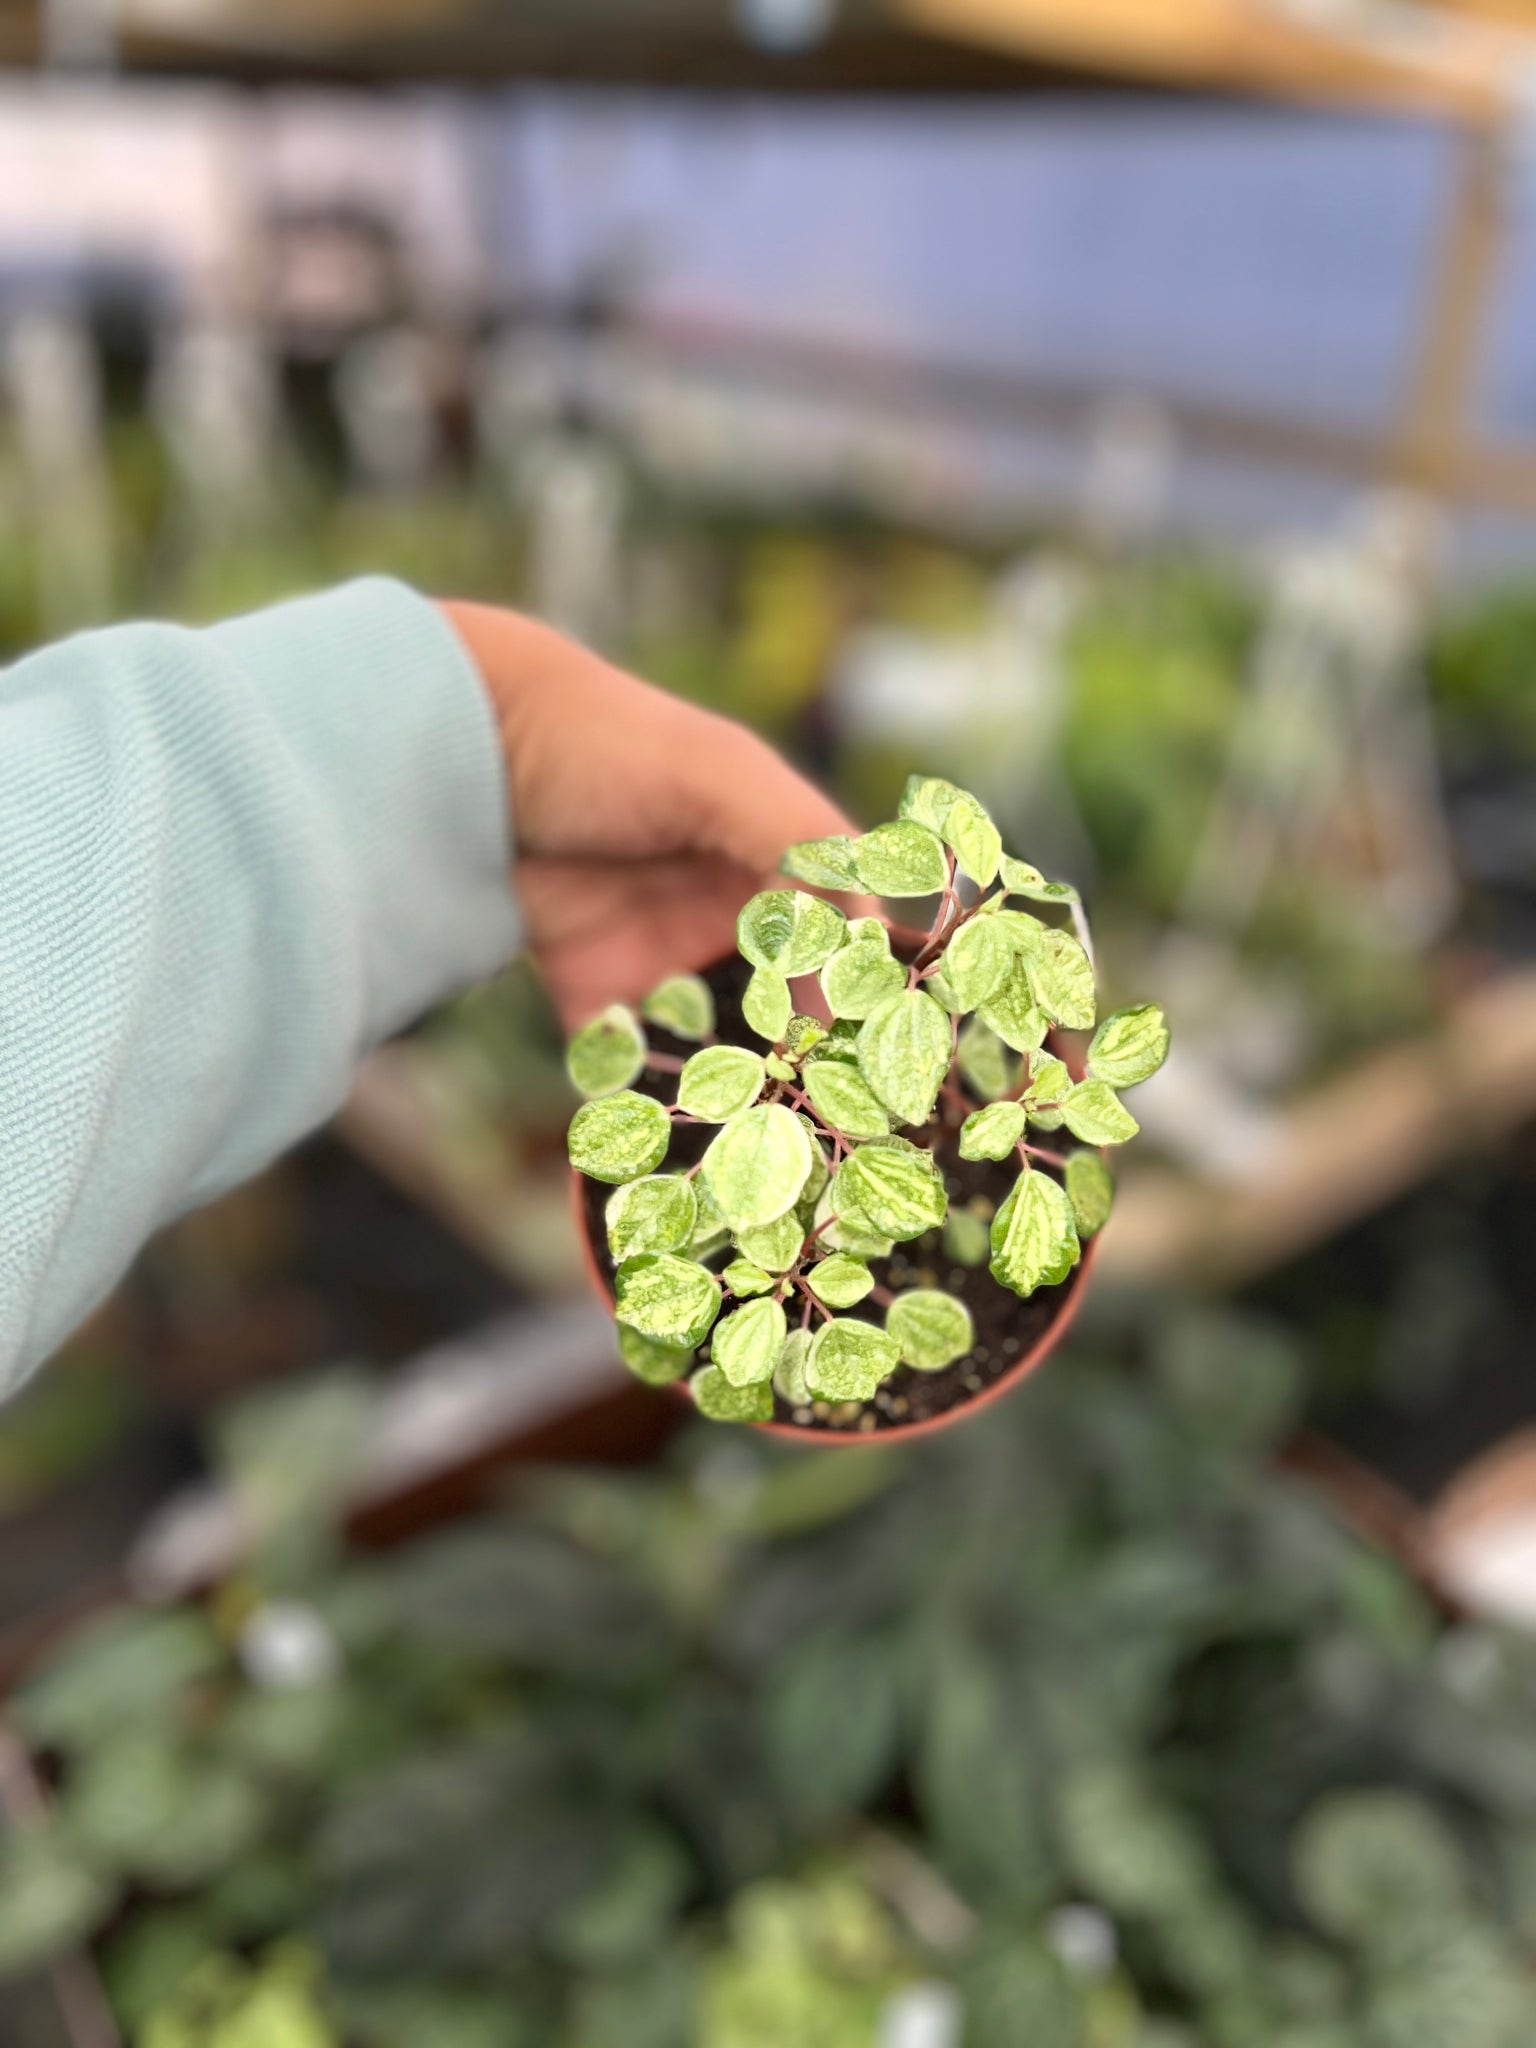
x,y
808,1177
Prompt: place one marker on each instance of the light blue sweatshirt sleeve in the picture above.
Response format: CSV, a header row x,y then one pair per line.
x,y
231,861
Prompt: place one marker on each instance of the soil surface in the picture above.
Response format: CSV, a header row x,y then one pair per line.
x,y
1006,1327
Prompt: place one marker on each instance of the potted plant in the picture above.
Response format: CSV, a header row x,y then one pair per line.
x,y
815,1195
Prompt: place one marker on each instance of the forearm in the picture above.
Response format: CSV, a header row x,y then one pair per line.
x,y
230,862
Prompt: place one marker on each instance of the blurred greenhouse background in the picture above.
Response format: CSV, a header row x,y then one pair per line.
x,y
1132,419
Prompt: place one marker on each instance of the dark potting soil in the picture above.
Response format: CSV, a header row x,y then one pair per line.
x,y
1007,1328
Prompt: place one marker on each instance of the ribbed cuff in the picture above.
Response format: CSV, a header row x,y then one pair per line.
x,y
378,698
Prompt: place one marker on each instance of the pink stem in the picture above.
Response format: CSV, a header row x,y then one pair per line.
x,y
882,1296
664,1062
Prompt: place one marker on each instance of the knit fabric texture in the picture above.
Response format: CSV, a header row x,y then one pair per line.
x,y
231,861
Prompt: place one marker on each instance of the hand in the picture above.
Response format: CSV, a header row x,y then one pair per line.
x,y
642,823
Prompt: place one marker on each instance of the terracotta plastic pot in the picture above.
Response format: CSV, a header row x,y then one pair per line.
x,y
1064,1299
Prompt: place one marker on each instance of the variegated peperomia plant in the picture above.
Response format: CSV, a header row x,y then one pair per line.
x,y
824,1155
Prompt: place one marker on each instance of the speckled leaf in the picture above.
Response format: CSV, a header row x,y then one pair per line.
x,y
657,1214
746,1346
928,799
969,830
859,979
986,1065
979,959
671,1300
1034,1239
789,1380
1129,1047
657,1364
896,1189
775,1245
619,1137
745,1277
1095,1113
1090,1190
1049,1085
930,1329
1013,1012
711,1229
852,1232
819,1175
849,1359
843,1098
758,1164
766,1004
718,1081
904,859
606,1054
719,1401
904,1051
1061,977
683,1005
840,1281
1019,878
965,1238
826,863
942,989
869,931
778,1069
992,1133
801,1033
788,931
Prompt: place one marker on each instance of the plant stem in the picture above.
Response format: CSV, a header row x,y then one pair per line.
x,y
881,1296
1039,1152
664,1062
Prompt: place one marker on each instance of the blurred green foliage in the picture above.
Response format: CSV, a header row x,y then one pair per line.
x,y
738,1751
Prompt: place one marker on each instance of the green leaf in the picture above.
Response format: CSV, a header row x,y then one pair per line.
x,y
860,978
673,1301
869,931
840,1281
657,1364
657,1214
1373,1863
896,1189
766,1004
620,1137
758,1164
986,1066
1129,1047
929,799
1061,976
777,1069
826,863
1049,1079
1019,878
968,828
775,1245
966,1239
1095,1113
51,1899
930,1329
1012,1011
904,859
801,1034
745,1277
719,1401
843,1098
852,1232
979,959
942,989
718,1081
683,1005
606,1054
848,1360
904,1053
711,1230
789,1381
1034,1239
1090,1190
746,1346
992,1133
789,932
